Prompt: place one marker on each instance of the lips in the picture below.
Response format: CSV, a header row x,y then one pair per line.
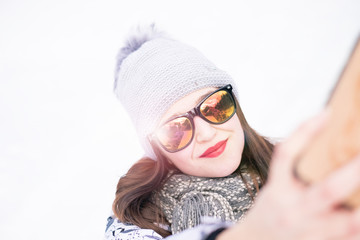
x,y
215,150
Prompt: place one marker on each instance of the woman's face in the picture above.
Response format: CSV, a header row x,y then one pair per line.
x,y
195,159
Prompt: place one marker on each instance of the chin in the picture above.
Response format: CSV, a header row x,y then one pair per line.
x,y
224,172
230,170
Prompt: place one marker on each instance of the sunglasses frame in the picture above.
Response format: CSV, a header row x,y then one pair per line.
x,y
196,112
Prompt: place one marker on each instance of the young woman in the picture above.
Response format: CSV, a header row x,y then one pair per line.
x,y
204,165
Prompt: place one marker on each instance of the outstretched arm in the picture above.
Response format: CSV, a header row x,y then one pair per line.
x,y
288,209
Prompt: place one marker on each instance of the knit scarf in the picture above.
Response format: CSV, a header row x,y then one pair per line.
x,y
186,199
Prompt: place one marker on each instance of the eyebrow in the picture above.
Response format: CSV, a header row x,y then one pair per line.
x,y
203,96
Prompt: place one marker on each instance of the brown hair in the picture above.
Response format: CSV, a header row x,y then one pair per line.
x,y
136,202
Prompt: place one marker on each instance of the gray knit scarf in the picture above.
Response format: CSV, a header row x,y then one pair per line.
x,y
186,199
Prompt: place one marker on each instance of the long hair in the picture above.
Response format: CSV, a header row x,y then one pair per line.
x,y
136,200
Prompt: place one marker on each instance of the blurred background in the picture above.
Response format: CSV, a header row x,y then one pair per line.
x,y
64,138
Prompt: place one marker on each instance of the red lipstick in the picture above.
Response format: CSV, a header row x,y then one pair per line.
x,y
215,150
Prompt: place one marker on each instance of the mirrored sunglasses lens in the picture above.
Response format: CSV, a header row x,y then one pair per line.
x,y
219,107
175,134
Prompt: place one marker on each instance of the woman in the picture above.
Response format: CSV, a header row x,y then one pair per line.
x,y
204,164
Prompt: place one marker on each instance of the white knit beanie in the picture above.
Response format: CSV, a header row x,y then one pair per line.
x,y
153,72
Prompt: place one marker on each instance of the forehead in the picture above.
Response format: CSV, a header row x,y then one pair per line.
x,y
186,103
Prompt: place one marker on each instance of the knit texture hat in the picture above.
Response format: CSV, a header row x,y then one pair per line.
x,y
153,72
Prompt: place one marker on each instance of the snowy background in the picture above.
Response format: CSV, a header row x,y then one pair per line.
x,y
65,139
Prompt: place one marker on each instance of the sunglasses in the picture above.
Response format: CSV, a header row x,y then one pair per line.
x,y
178,132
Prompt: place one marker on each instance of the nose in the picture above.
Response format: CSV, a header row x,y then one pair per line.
x,y
204,131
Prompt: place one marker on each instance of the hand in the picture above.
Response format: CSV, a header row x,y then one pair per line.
x,y
287,209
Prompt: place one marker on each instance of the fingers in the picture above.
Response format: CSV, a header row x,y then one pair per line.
x,y
349,226
336,187
342,225
354,228
286,153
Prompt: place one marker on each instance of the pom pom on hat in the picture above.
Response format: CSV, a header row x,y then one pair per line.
x,y
138,37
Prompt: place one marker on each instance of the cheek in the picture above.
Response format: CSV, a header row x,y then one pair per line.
x,y
234,125
181,159
239,132
239,136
